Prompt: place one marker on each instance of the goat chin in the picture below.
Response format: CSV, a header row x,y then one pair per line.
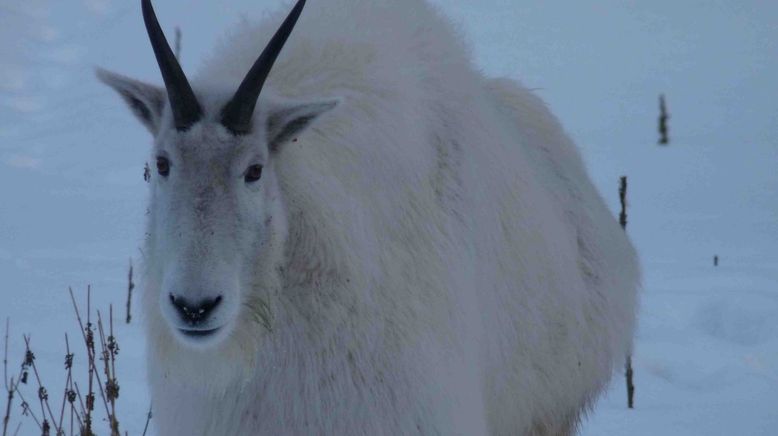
x,y
440,262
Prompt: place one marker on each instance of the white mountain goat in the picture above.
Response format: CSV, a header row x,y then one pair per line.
x,y
381,242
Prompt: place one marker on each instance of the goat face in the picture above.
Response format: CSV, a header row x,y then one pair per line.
x,y
216,222
215,215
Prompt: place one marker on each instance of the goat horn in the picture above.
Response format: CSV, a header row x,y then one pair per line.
x,y
183,103
237,114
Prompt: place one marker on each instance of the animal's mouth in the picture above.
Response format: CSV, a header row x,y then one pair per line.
x,y
199,333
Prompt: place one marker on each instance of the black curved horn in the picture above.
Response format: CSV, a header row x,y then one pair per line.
x,y
237,114
183,103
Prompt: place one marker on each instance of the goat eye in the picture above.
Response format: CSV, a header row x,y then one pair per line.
x,y
253,173
163,166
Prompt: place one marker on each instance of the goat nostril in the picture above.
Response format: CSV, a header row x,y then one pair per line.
x,y
207,306
194,313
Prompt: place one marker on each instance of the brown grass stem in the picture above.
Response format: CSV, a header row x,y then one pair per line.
x,y
43,396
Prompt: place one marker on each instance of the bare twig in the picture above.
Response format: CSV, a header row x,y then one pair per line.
x,y
108,347
87,333
26,409
9,385
148,419
630,384
68,381
113,347
130,287
623,200
623,221
7,416
82,422
81,407
43,396
664,137
5,355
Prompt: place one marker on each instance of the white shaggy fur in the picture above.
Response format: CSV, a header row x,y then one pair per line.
x,y
437,259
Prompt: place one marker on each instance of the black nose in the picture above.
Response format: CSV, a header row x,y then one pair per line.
x,y
192,313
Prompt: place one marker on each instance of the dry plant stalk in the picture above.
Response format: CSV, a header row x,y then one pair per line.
x,y
130,287
80,408
10,387
109,350
148,419
43,395
87,333
628,371
664,129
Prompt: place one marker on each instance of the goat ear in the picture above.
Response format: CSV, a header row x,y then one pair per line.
x,y
146,101
289,119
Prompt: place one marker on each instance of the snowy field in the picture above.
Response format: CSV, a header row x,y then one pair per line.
x,y
706,354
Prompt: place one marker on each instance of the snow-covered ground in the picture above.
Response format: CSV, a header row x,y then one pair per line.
x,y
706,356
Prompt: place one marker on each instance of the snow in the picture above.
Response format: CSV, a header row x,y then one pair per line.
x,y
706,358
706,353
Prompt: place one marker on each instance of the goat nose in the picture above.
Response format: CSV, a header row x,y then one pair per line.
x,y
194,313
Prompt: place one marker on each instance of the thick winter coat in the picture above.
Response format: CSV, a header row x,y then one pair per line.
x,y
429,256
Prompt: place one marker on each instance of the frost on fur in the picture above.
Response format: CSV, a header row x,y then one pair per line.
x,y
388,243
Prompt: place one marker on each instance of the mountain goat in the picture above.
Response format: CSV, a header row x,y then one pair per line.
x,y
370,238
